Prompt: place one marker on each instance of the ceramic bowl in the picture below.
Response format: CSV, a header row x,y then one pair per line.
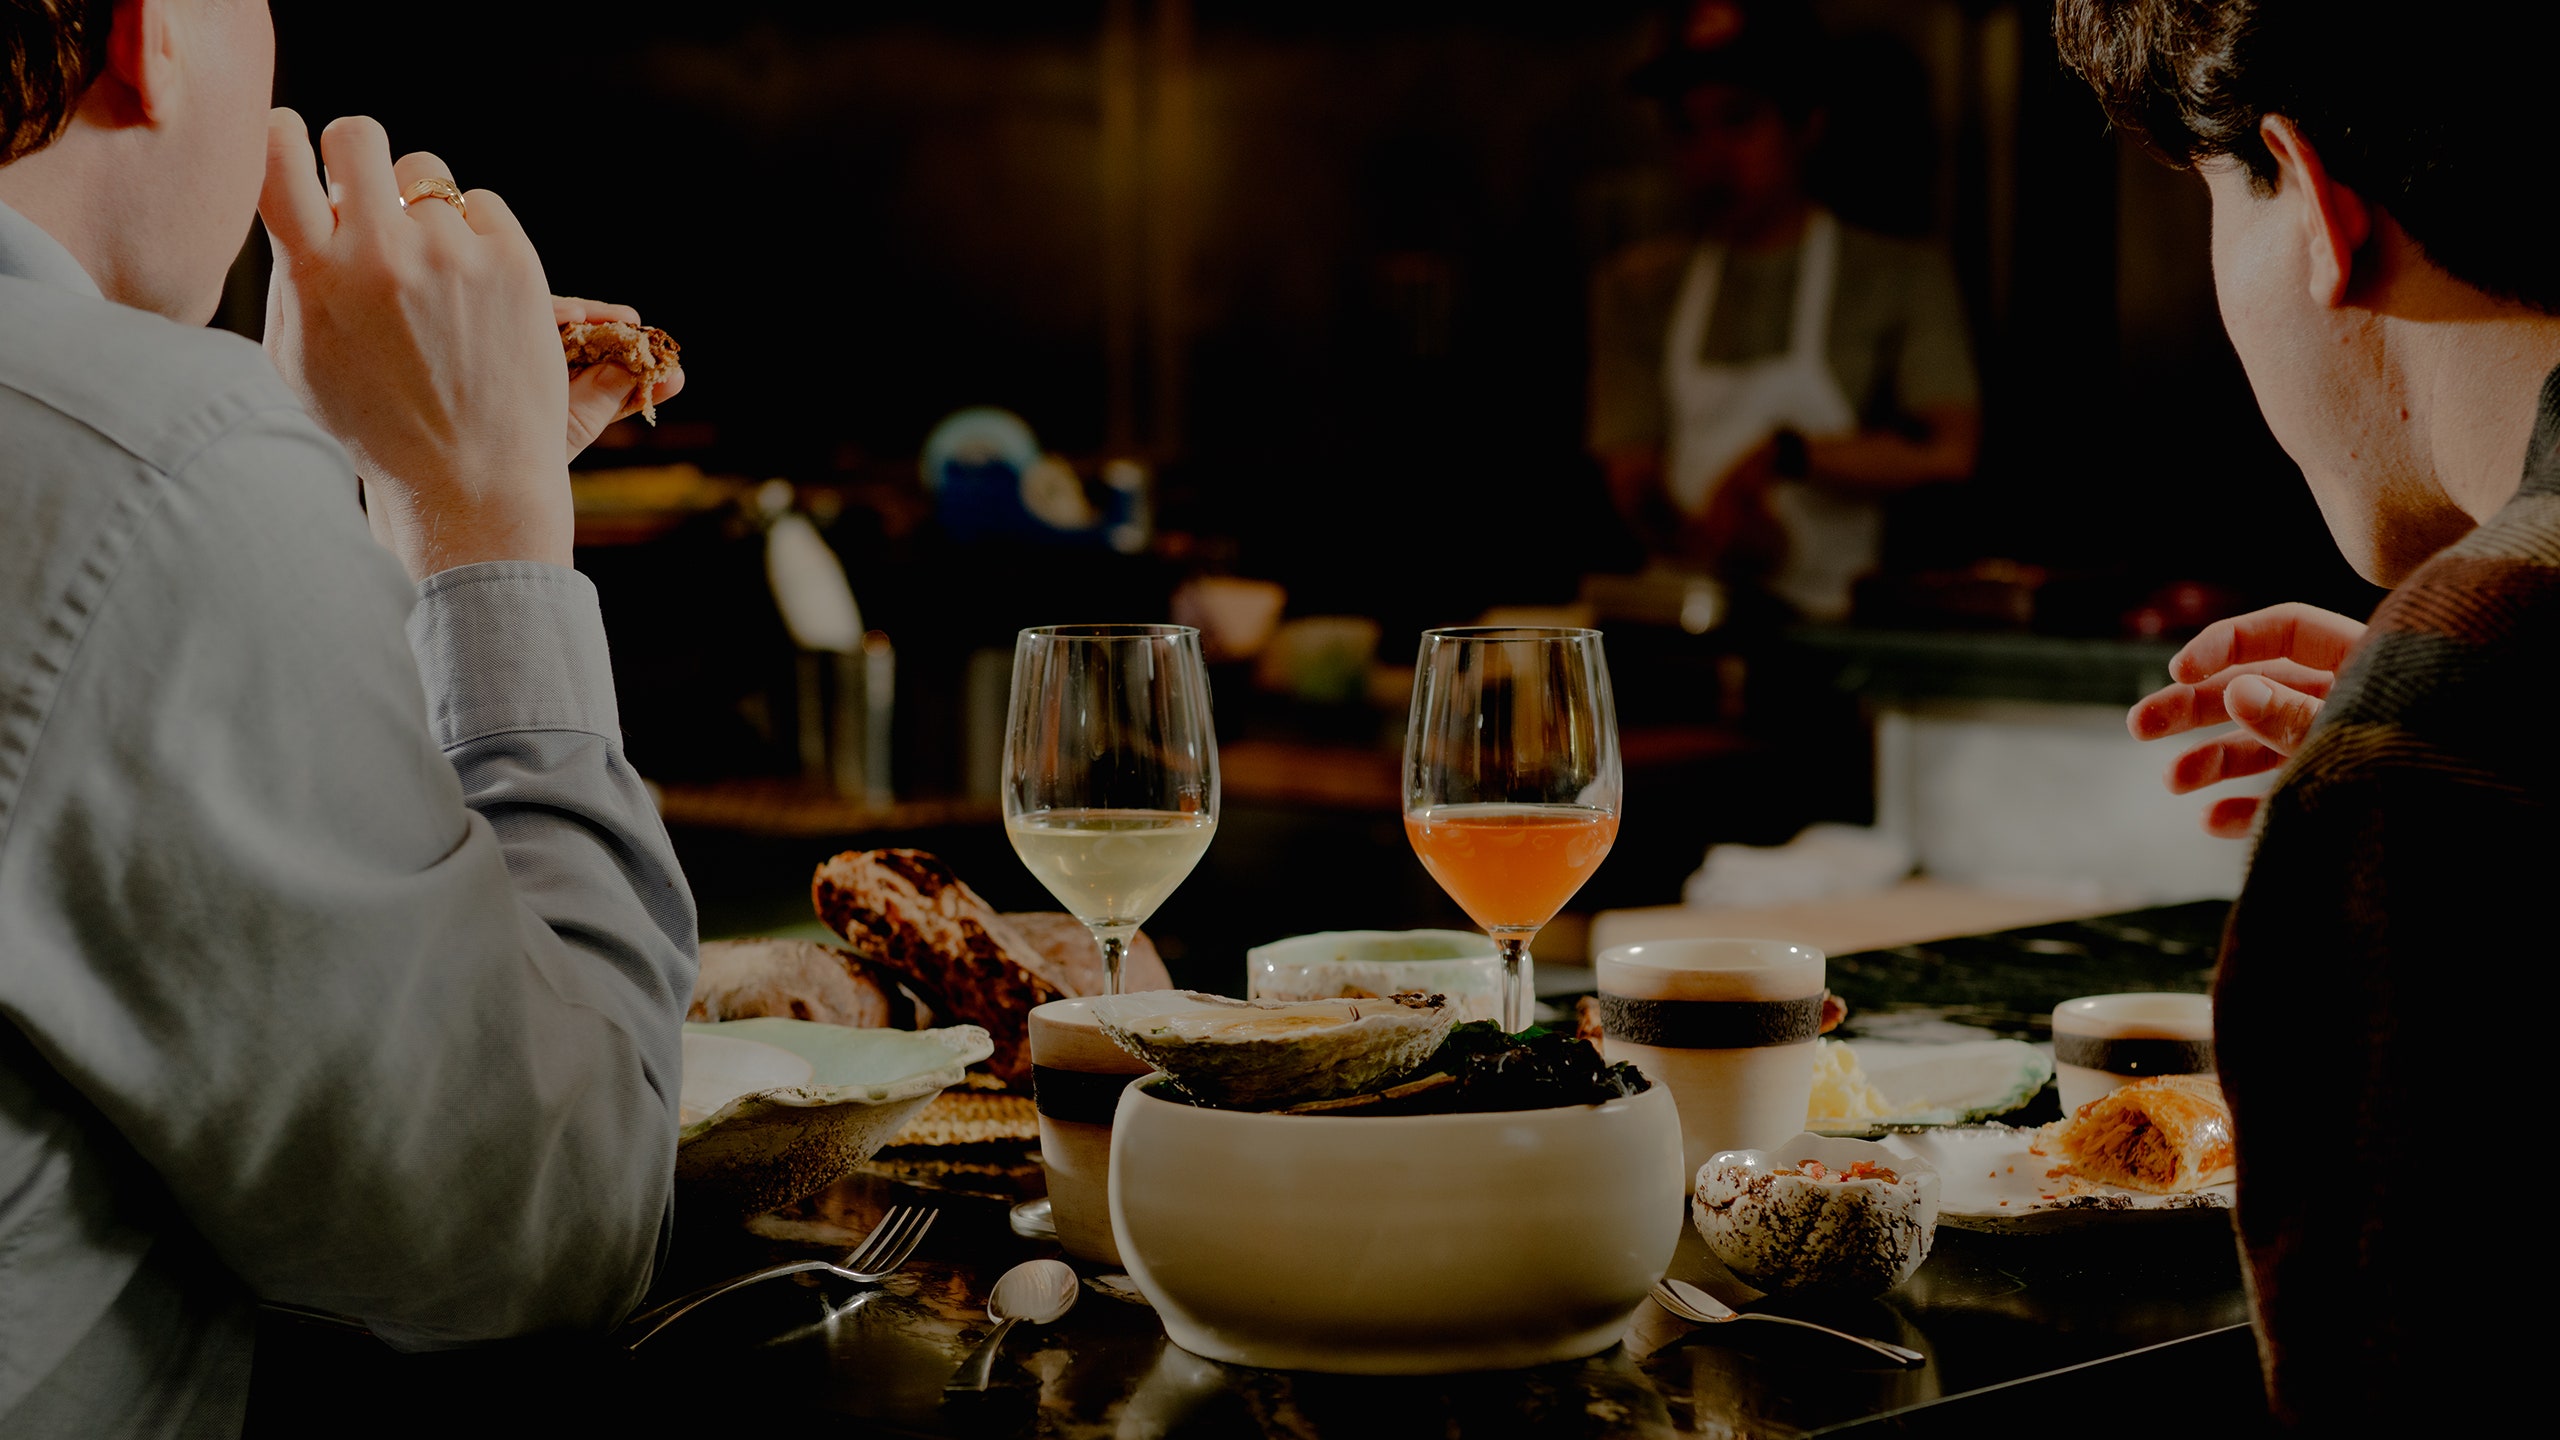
x,y
1460,964
1797,1234
775,1109
1399,1245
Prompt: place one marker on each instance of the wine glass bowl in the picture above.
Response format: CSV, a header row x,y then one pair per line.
x,y
1512,781
1110,771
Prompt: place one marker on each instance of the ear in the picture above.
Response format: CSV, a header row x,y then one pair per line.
x,y
2335,220
142,52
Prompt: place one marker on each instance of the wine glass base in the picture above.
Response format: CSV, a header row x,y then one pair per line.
x,y
1031,1220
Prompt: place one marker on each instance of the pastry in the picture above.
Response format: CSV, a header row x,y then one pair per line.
x,y
2167,1135
644,350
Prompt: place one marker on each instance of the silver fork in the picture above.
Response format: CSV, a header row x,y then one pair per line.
x,y
879,1255
1691,1303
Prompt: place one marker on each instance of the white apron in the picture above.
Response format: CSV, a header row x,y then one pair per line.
x,y
1720,413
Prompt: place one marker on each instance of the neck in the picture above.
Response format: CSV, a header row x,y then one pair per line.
x,y
2469,368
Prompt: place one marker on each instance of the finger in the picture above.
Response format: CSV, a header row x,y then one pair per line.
x,y
2231,817
2321,639
2279,716
2176,709
597,398
570,310
357,151
491,216
2225,757
420,165
292,203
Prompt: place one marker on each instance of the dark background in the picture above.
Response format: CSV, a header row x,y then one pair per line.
x,y
1323,266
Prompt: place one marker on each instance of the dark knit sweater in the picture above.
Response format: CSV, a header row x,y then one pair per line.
x,y
2400,908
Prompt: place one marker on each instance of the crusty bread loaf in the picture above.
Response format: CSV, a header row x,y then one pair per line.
x,y
1076,957
794,979
904,911
644,350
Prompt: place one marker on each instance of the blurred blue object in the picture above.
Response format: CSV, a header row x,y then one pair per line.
x,y
990,481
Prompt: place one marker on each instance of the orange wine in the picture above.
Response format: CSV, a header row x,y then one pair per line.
x,y
1511,867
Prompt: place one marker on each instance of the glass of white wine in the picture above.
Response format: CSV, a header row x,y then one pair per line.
x,y
1110,771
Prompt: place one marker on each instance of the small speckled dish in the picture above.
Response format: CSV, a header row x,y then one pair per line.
x,y
774,1109
1849,1238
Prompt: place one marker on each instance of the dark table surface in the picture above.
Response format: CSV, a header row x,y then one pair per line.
x,y
2056,1330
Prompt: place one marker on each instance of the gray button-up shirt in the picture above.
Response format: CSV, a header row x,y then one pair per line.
x,y
342,955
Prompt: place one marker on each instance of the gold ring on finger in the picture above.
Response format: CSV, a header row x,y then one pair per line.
x,y
435,187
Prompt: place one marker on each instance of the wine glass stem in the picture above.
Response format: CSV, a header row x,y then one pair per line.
x,y
1115,950
1515,1004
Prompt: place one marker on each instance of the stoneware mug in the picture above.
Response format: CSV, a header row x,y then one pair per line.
x,y
1076,1078
2103,1041
1728,1026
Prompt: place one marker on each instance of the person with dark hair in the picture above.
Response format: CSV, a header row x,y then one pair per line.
x,y
2385,272
343,958
1757,390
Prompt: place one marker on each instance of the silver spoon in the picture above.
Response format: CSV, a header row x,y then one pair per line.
x,y
1691,1303
1036,1290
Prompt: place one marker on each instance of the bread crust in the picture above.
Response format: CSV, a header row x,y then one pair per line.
x,y
648,352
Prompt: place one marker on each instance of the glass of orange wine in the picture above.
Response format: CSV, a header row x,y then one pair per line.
x,y
1511,777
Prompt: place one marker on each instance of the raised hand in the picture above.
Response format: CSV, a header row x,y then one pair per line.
x,y
423,339
2268,672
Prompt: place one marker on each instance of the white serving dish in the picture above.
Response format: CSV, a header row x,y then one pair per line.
x,y
1460,964
820,1100
1992,1181
1398,1245
1844,1238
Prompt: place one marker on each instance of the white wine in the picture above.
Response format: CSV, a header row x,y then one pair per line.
x,y
1110,867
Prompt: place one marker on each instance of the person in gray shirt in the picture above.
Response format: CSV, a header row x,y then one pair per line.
x,y
342,954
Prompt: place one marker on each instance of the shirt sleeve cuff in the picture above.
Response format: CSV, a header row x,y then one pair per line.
x,y
512,645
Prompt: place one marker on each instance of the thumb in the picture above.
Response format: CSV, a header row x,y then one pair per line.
x,y
2279,716
596,396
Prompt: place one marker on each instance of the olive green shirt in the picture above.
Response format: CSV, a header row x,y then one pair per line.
x,y
1897,342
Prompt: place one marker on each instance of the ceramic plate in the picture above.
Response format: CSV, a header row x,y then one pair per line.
x,y
1945,1084
775,1108
1988,1180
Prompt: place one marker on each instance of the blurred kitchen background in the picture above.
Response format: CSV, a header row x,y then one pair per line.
x,y
1275,317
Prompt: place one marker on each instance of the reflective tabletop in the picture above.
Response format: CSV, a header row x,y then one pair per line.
x,y
2016,1328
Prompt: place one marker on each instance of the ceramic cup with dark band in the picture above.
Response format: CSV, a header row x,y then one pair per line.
x,y
2103,1041
1076,1078
1728,1026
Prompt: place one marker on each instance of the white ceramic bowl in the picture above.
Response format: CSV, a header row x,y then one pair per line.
x,y
1399,1245
1793,1233
1460,964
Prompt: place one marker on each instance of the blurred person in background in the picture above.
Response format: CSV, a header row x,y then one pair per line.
x,y
2384,266
343,957
1758,389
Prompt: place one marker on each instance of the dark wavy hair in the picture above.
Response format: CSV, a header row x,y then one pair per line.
x,y
2445,114
50,50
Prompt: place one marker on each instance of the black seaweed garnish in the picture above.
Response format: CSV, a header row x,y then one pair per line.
x,y
1480,1068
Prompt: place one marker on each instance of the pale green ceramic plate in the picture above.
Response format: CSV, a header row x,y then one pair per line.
x,y
784,1136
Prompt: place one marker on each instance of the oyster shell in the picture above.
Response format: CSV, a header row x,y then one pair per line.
x,y
1259,1054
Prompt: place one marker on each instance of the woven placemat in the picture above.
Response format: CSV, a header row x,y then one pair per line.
x,y
971,1117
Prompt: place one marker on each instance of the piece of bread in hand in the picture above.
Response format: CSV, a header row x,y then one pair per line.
x,y
644,350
